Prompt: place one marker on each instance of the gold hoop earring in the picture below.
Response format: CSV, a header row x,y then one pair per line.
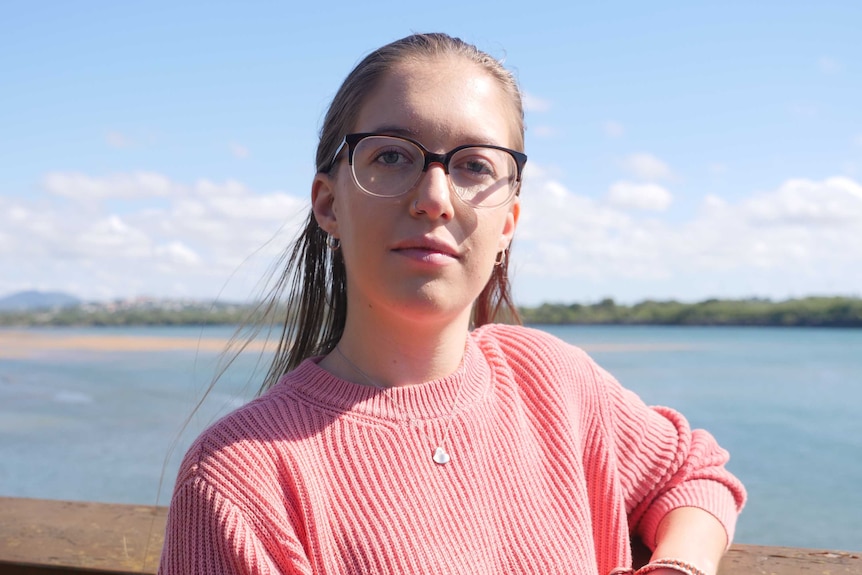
x,y
333,243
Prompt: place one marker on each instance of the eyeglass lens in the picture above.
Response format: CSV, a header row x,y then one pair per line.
x,y
387,166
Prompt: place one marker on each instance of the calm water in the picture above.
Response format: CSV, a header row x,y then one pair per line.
x,y
785,402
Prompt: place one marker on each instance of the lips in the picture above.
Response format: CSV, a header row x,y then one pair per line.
x,y
427,244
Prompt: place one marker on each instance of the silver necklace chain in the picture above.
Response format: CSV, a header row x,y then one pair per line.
x,y
440,455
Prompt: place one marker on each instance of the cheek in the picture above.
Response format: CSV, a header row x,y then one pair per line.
x,y
486,239
350,211
498,227
366,223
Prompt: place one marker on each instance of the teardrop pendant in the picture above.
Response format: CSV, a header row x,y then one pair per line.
x,y
440,456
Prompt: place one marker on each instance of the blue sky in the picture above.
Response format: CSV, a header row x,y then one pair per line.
x,y
677,149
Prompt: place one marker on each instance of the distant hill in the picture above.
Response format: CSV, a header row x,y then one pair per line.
x,y
33,300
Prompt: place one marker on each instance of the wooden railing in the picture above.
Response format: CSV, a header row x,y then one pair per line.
x,y
41,537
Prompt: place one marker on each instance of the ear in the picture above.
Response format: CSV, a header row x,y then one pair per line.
x,y
323,203
510,224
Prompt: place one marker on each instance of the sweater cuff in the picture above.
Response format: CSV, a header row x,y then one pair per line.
x,y
711,496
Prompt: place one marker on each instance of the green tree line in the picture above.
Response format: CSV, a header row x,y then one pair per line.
x,y
810,312
85,316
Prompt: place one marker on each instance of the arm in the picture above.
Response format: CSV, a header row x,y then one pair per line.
x,y
219,525
206,533
680,499
691,535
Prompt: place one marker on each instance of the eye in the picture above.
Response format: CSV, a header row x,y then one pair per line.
x,y
391,157
479,167
384,153
476,163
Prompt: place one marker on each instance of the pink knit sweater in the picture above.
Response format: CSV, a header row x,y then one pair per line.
x,y
553,465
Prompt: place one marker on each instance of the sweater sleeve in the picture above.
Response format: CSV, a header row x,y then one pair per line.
x,y
665,465
207,533
217,525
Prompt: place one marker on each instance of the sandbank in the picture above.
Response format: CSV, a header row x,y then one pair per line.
x,y
24,343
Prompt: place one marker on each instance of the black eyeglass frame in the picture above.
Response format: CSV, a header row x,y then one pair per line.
x,y
351,140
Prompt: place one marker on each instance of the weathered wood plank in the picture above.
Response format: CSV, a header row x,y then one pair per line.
x,y
80,535
758,560
41,537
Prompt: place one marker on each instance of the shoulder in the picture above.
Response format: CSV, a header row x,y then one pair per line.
x,y
530,346
515,335
250,445
538,360
555,379
238,477
230,444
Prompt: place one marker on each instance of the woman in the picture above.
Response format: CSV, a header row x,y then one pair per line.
x,y
402,431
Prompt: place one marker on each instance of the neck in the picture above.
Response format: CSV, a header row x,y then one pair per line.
x,y
396,354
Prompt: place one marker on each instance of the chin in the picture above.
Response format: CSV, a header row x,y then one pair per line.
x,y
434,305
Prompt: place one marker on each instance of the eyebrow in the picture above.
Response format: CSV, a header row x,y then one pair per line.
x,y
395,130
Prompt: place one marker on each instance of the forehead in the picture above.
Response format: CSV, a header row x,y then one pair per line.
x,y
443,102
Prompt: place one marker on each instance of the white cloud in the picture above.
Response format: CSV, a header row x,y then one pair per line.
x,y
646,167
110,237
713,202
832,201
188,242
204,188
613,129
829,66
803,237
648,197
566,235
179,253
535,104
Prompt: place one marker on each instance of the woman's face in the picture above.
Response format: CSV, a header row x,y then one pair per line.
x,y
425,255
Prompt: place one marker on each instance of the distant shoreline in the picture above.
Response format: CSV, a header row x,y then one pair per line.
x,y
845,312
26,344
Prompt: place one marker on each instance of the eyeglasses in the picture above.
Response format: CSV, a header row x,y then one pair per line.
x,y
389,166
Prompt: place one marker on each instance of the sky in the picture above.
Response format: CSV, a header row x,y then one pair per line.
x,y
677,150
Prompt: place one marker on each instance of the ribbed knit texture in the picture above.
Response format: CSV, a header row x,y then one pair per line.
x,y
553,465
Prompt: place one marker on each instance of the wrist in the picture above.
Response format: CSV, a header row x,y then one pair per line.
x,y
668,566
663,566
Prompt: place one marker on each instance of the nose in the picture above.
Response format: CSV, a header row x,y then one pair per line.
x,y
433,193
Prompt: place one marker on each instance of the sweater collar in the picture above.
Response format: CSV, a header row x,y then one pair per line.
x,y
439,398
